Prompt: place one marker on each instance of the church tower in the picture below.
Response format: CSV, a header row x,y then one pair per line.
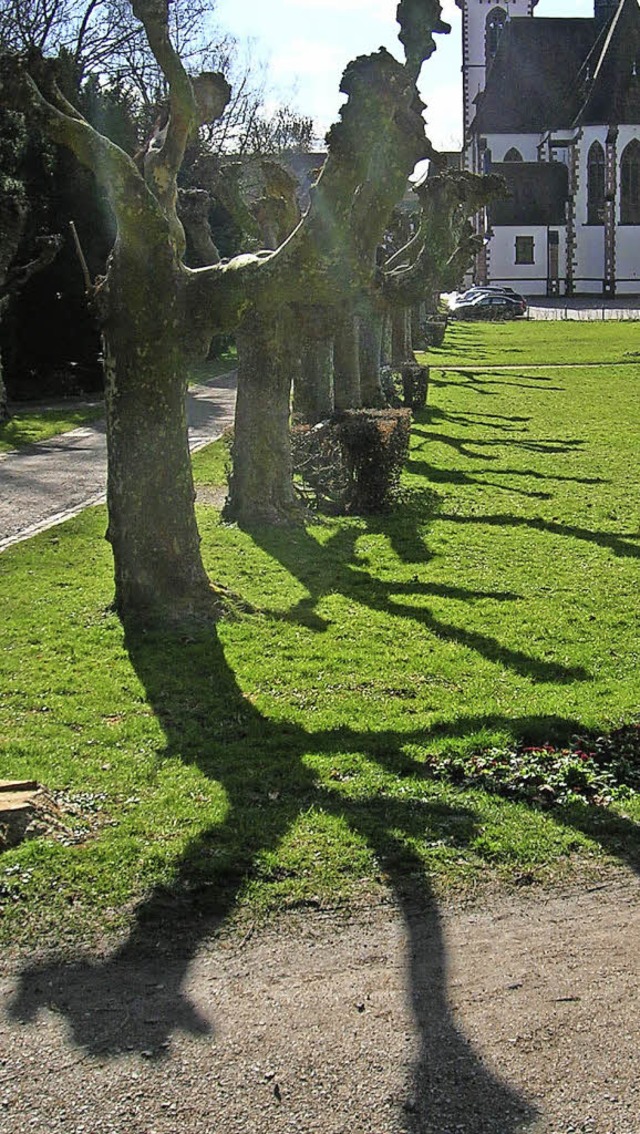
x,y
482,24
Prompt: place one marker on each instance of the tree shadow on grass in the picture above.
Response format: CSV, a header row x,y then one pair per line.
x,y
481,385
622,544
460,445
334,566
436,475
436,415
135,1000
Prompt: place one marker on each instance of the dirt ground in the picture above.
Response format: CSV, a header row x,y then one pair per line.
x,y
516,1014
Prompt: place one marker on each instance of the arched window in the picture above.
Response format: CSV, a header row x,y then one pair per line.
x,y
595,184
496,20
512,155
630,184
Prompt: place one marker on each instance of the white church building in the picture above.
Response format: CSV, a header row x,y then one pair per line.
x,y
553,105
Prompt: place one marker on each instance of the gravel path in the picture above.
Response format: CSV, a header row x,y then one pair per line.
x,y
520,1015
44,484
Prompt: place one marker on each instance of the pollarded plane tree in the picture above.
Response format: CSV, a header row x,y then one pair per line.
x,y
441,250
329,263
153,309
444,244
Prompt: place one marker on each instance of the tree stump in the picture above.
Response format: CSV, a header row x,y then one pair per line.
x,y
17,809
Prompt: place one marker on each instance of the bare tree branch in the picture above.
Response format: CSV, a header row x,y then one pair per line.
x,y
17,277
183,112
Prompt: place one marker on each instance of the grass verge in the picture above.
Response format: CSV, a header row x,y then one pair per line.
x,y
28,427
304,753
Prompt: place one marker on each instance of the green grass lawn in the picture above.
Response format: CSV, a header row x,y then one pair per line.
x,y
29,426
307,752
524,341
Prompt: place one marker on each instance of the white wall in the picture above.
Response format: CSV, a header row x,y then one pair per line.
x,y
527,144
589,258
627,236
530,279
589,261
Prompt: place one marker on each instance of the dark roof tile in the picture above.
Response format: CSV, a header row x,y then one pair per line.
x,y
538,192
532,83
610,78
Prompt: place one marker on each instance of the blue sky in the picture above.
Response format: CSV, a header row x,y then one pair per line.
x,y
306,45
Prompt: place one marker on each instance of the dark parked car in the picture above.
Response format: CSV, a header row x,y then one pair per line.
x,y
481,289
490,305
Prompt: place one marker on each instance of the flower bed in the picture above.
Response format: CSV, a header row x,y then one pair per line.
x,y
594,769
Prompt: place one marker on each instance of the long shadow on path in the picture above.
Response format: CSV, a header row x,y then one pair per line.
x,y
135,999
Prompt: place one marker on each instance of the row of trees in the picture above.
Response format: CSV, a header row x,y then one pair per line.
x,y
326,280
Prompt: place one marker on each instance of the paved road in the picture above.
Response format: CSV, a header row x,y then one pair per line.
x,y
44,484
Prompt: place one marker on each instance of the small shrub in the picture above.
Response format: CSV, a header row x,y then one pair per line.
x,y
591,769
353,462
434,332
375,446
389,379
415,381
319,467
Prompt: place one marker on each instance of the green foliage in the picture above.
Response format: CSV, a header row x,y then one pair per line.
x,y
50,343
306,752
13,139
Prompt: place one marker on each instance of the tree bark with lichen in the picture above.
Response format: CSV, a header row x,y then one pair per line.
x,y
261,485
143,308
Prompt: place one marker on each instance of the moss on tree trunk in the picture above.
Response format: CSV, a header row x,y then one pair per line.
x,y
371,326
346,364
261,486
150,491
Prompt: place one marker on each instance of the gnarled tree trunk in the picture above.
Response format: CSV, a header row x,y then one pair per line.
x,y
150,493
371,328
346,363
261,487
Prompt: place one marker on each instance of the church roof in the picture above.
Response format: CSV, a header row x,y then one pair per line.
x,y
537,193
532,84
610,76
